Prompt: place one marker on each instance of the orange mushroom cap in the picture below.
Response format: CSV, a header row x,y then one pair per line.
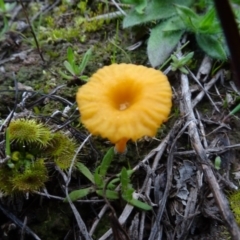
x,y
125,101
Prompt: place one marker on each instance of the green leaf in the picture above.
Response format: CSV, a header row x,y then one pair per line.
x,y
85,60
2,5
183,70
139,8
174,23
155,10
186,58
139,204
188,16
70,55
69,67
235,110
127,194
133,2
77,194
112,184
208,23
84,78
5,28
129,173
161,44
212,45
124,179
106,162
85,171
98,179
109,194
65,75
217,163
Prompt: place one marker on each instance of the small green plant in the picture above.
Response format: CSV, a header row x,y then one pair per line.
x,y
172,19
178,64
217,163
74,69
104,186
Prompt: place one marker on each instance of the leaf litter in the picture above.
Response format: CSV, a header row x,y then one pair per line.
x,y
178,176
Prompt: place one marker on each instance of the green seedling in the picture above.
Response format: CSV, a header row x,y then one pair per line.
x,y
178,64
74,69
98,179
217,163
104,186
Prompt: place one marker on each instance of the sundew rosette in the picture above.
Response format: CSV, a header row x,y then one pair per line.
x,y
125,101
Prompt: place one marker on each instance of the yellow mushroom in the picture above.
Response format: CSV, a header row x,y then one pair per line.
x,y
125,101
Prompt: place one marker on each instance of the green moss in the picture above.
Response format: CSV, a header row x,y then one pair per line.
x,y
234,201
32,144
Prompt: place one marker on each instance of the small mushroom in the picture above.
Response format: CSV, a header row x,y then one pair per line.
x,y
125,101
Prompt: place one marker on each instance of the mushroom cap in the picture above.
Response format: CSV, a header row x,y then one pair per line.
x,y
125,101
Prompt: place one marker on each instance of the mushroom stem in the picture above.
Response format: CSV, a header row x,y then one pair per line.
x,y
120,146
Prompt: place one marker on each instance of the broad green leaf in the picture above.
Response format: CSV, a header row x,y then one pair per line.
x,y
161,44
212,45
77,194
139,204
140,7
85,171
188,16
174,23
155,10
109,194
106,162
208,23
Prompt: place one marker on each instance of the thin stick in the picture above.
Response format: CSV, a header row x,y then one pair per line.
x,y
32,31
220,199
